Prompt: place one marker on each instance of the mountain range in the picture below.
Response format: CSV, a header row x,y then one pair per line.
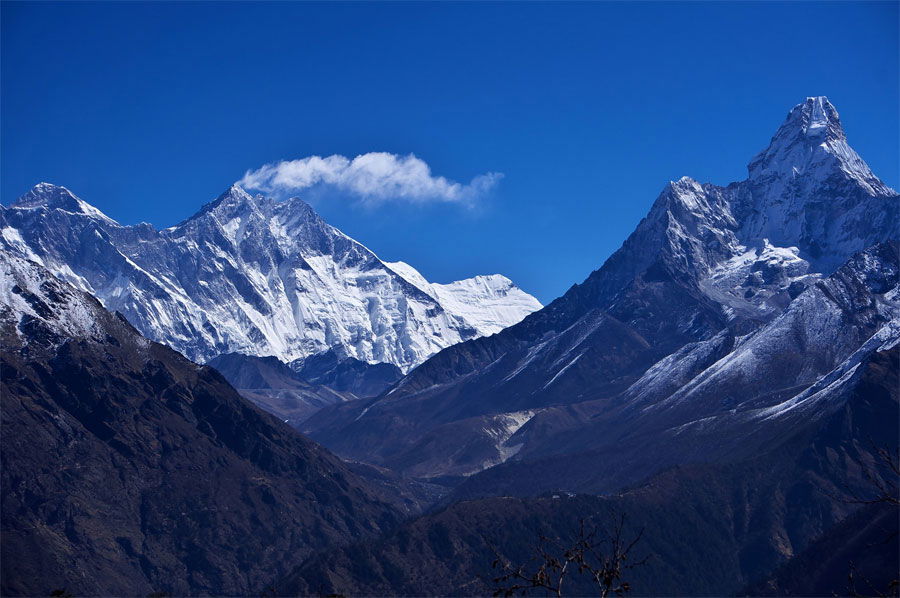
x,y
129,470
728,379
253,275
728,316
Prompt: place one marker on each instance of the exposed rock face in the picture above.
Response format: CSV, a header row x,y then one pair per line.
x,y
723,315
347,375
128,469
275,387
256,276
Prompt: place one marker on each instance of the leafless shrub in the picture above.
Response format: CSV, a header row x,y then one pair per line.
x,y
602,555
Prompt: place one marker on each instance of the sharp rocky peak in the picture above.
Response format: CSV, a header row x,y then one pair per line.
x,y
808,190
237,202
687,200
811,146
807,160
233,198
815,118
47,195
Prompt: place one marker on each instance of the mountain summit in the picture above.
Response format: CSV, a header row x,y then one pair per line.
x,y
254,275
725,302
54,197
813,140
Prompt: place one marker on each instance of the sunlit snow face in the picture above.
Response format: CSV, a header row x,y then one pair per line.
x,y
260,276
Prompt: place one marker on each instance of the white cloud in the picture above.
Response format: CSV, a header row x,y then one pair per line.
x,y
375,177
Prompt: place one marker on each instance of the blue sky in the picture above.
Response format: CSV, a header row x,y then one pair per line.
x,y
150,110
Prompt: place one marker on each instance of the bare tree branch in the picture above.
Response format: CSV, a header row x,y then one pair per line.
x,y
883,479
599,554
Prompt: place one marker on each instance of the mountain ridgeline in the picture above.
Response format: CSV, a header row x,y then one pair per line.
x,y
733,364
728,380
728,314
256,276
294,392
129,470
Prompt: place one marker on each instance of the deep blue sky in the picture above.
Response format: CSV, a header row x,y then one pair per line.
x,y
150,110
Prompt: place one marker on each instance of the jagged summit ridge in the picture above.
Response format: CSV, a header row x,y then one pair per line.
x,y
812,140
254,275
50,196
809,203
236,201
706,271
233,197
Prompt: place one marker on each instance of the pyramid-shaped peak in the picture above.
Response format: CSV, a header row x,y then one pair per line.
x,y
235,194
58,197
233,198
238,207
810,123
685,184
815,118
811,146
235,190
47,194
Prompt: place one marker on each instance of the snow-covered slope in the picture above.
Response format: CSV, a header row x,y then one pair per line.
x,y
30,299
134,446
667,324
257,276
809,203
489,303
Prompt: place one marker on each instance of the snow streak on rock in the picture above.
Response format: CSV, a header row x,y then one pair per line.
x,y
256,276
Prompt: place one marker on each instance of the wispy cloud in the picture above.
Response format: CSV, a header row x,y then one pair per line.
x,y
374,178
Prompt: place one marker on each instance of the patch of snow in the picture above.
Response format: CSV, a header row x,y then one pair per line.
x,y
562,371
259,276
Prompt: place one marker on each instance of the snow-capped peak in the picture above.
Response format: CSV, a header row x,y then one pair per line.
x,y
809,203
816,117
256,275
812,140
56,197
233,197
488,303
685,184
821,117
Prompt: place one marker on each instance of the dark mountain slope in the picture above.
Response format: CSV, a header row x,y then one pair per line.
x,y
703,277
791,373
249,371
347,374
864,545
602,355
708,529
127,469
275,387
